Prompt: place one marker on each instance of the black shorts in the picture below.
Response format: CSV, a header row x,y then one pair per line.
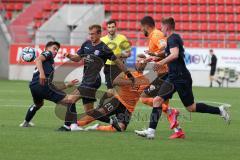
x,y
121,112
153,89
212,71
111,72
48,92
183,85
88,92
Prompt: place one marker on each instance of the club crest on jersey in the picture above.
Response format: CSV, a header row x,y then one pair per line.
x,y
96,52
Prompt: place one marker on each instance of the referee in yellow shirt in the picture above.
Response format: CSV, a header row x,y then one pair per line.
x,y
120,46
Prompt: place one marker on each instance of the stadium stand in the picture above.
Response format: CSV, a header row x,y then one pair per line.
x,y
203,23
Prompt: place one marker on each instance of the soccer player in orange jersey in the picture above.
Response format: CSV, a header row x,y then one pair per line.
x,y
156,46
122,105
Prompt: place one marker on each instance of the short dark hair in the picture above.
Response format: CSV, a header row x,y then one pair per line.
x,y
211,50
169,21
148,20
96,26
51,43
111,22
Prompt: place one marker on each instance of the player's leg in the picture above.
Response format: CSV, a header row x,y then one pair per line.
x,y
185,93
36,92
102,113
110,72
119,121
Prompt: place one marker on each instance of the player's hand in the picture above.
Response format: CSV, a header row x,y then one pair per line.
x,y
66,55
149,53
72,83
42,79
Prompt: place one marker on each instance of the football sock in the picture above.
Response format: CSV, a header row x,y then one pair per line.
x,y
31,112
108,128
71,115
147,101
105,119
204,108
154,117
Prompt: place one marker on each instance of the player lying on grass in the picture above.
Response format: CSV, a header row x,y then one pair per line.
x,y
41,86
119,109
180,77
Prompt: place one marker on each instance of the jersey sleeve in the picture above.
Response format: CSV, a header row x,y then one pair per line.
x,y
48,55
108,53
173,42
80,52
159,40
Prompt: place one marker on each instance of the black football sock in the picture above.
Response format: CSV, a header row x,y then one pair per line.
x,y
71,115
204,108
154,117
104,119
31,112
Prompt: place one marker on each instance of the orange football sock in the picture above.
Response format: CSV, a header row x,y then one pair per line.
x,y
147,101
85,120
108,128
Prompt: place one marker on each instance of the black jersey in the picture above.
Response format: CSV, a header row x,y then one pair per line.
x,y
94,59
177,66
48,67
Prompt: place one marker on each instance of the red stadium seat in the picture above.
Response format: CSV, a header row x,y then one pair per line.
x,y
203,27
212,9
18,6
202,9
194,26
203,2
10,7
193,9
221,18
8,15
48,7
176,9
185,2
221,27
212,27
212,17
194,17
222,2
231,27
221,9
230,18
184,9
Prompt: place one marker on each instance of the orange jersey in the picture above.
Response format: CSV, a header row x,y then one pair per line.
x,y
129,96
156,43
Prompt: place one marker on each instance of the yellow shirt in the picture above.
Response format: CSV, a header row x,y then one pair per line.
x,y
119,44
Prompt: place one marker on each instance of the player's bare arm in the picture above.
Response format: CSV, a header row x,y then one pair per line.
x,y
174,52
73,57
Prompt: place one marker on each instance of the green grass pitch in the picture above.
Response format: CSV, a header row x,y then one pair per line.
x,y
207,136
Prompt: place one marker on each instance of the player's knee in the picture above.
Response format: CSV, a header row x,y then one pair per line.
x,y
191,108
157,101
39,105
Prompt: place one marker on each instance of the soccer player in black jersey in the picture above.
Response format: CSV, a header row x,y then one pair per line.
x,y
180,77
41,86
94,54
